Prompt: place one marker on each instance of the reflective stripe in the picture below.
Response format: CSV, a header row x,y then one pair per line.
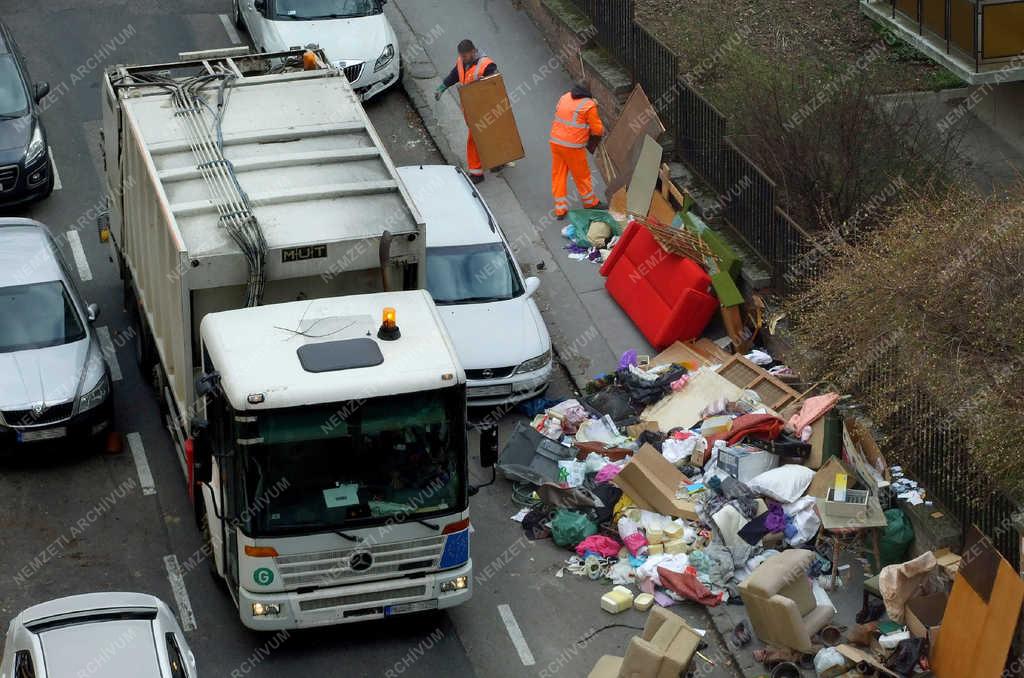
x,y
588,196
567,144
570,123
477,172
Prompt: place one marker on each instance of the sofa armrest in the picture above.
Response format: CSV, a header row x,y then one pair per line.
x,y
791,630
620,248
642,659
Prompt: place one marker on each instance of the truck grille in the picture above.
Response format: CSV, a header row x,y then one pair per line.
x,y
491,373
8,178
353,72
52,415
362,598
330,568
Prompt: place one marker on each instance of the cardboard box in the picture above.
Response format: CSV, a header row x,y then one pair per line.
x,y
948,561
745,462
826,478
924,616
651,481
856,504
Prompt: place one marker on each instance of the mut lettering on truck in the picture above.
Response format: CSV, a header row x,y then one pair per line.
x,y
303,253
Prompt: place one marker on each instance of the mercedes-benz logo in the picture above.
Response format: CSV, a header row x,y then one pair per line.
x,y
38,409
361,562
487,374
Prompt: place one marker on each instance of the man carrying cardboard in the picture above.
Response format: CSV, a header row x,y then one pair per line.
x,y
576,121
470,66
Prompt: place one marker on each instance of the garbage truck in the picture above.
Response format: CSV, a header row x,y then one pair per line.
x,y
273,266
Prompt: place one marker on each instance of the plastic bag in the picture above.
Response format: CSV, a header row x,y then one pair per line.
x,y
571,473
569,528
632,537
895,539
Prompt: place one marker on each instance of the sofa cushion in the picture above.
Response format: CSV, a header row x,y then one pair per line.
x,y
801,593
777,572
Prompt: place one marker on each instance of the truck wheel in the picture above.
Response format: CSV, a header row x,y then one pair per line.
x,y
145,356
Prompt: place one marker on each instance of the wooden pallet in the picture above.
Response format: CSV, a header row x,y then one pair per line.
x,y
748,376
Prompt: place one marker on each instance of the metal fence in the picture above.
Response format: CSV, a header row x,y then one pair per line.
x,y
935,451
746,195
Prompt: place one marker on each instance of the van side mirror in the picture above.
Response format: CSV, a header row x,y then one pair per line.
x,y
489,446
41,90
92,312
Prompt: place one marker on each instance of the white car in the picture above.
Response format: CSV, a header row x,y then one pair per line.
x,y
487,306
354,34
118,635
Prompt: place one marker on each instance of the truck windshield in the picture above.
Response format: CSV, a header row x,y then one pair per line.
x,y
309,10
357,463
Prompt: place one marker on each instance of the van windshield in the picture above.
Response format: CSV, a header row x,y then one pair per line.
x,y
37,316
309,10
357,463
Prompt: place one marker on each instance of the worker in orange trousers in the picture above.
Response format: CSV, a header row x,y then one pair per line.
x,y
469,67
576,120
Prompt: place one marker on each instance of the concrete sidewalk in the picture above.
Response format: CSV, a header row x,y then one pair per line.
x,y
588,329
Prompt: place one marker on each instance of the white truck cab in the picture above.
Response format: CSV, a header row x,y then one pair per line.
x,y
333,462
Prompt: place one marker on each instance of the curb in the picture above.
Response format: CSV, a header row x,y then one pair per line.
x,y
445,124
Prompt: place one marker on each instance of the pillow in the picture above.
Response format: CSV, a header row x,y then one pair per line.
x,y
785,484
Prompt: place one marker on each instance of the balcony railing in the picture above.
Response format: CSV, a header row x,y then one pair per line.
x,y
972,36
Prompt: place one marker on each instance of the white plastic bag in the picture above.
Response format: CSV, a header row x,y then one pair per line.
x,y
571,473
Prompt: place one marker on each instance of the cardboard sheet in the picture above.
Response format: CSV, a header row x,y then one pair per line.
x,y
826,478
651,481
686,355
637,120
683,408
975,637
493,125
645,178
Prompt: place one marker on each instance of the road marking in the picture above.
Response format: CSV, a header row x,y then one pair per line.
x,y
103,333
78,252
141,464
56,175
232,32
512,626
185,614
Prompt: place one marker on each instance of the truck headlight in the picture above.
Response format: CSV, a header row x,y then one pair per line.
x,y
385,58
95,397
534,364
36,146
457,584
266,609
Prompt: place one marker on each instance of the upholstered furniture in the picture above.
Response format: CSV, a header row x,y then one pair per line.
x,y
780,601
663,650
667,296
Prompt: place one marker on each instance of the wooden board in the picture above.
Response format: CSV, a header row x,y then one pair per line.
x,y
683,354
637,119
711,350
745,374
490,120
683,408
975,637
645,178
857,655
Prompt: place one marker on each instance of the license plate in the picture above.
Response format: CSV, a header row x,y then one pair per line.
x,y
410,607
500,389
44,434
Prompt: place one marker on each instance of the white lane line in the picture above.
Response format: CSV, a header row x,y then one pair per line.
x,y
185,614
232,32
107,345
56,175
141,464
514,632
78,252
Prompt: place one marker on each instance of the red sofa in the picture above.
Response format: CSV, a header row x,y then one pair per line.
x,y
668,297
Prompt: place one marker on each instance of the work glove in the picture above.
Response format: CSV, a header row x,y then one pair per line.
x,y
439,91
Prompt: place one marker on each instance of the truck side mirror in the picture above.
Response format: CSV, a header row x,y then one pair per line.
x,y
207,383
489,446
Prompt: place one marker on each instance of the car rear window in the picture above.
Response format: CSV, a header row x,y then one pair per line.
x,y
112,648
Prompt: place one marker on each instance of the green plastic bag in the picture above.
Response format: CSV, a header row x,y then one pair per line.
x,y
579,222
895,539
569,527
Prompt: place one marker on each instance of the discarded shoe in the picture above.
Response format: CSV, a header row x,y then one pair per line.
x,y
740,635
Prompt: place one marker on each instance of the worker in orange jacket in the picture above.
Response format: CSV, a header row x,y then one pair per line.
x,y
469,67
576,120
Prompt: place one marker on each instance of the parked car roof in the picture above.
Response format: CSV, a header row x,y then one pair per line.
x,y
449,206
26,253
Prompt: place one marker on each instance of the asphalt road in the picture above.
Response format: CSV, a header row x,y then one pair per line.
x,y
47,551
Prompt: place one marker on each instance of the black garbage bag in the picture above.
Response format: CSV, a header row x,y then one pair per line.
x,y
905,657
642,392
613,400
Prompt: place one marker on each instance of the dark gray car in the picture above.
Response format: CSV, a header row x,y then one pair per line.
x,y
54,381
